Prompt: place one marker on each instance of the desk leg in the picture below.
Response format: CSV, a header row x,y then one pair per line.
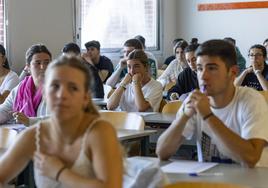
x,y
145,146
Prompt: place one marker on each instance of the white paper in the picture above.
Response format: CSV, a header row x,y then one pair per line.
x,y
187,167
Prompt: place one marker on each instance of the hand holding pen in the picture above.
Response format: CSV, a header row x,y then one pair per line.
x,y
20,117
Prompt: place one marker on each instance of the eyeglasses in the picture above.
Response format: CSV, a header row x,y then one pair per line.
x,y
255,55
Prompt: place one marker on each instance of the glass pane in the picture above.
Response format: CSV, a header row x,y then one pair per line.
x,y
112,22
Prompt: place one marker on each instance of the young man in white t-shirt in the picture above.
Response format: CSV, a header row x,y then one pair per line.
x,y
230,122
137,92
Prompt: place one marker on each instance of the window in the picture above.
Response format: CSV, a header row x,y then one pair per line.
x,y
2,22
112,22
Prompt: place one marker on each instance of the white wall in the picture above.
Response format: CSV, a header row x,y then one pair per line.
x,y
37,21
247,26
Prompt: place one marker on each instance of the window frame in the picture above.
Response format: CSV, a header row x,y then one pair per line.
x,y
159,29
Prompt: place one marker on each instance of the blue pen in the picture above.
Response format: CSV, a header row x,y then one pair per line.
x,y
206,174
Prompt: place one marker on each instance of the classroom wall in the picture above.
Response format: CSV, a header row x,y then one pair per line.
x,y
50,22
37,21
247,26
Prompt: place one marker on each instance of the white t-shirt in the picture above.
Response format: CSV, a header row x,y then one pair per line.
x,y
246,115
171,73
152,92
11,80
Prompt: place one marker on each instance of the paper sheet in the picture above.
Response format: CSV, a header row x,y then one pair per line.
x,y
187,167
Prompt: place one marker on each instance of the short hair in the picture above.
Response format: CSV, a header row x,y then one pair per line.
x,y
35,49
181,44
261,47
141,39
191,48
3,52
218,48
71,47
229,39
194,41
139,55
133,43
94,44
76,63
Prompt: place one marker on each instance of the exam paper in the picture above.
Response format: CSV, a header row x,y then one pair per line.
x,y
187,167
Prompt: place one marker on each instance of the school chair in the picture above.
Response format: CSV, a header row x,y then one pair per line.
x,y
202,185
124,120
162,104
169,85
171,107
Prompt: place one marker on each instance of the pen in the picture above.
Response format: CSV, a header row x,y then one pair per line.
x,y
203,88
206,174
23,107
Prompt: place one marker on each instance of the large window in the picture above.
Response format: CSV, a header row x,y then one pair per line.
x,y
2,21
112,22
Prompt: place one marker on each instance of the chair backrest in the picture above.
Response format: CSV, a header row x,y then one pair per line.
x,y
203,185
162,104
169,85
7,137
124,120
265,94
172,107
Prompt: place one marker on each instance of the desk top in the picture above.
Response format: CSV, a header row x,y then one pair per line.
x,y
99,101
126,134
157,119
232,173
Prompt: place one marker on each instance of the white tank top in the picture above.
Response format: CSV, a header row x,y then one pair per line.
x,y
81,166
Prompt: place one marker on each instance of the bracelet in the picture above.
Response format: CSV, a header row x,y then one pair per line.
x,y
135,82
257,71
59,172
207,116
183,111
123,86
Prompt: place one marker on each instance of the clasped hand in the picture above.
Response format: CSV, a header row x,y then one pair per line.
x,y
197,102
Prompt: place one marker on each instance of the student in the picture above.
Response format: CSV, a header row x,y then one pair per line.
x,y
121,68
169,59
153,65
25,100
255,76
187,79
230,122
8,78
176,66
241,61
74,147
71,49
101,63
137,92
